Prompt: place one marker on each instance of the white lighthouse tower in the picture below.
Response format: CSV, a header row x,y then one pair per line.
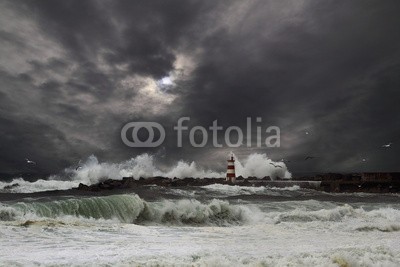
x,y
230,172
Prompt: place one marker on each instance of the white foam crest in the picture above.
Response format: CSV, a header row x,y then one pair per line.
x,y
259,165
14,216
303,215
131,209
140,166
19,185
92,171
184,169
189,211
387,213
8,213
235,190
287,188
382,219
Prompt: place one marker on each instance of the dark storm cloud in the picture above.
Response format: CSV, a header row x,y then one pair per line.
x,y
141,34
69,60
320,73
69,79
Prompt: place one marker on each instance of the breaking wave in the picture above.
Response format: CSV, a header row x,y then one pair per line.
x,y
235,190
92,171
353,219
259,165
131,209
19,185
302,215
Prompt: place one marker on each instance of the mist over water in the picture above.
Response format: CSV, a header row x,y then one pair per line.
x,y
91,171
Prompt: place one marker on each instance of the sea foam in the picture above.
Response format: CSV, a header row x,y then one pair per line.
x,y
92,171
131,209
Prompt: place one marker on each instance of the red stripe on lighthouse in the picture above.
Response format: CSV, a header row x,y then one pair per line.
x,y
230,171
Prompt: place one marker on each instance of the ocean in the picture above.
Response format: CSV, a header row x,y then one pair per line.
x,y
214,225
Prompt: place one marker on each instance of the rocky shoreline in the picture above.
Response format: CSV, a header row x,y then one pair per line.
x,y
328,183
130,182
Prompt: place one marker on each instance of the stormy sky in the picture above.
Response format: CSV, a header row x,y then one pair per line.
x,y
74,72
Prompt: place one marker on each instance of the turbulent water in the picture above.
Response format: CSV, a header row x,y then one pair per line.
x,y
92,171
215,225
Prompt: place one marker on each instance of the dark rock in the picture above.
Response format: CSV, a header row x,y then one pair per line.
x,y
245,182
83,187
129,182
338,183
11,186
105,186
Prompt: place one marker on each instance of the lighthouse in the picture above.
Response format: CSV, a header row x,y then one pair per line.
x,y
230,172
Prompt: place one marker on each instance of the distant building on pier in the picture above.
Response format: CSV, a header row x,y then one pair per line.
x,y
380,176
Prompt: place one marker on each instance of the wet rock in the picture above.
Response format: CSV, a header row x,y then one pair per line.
x,y
11,186
346,183
83,187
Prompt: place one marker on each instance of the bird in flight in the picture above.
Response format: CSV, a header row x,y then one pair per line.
x,y
309,157
79,166
275,165
30,162
387,145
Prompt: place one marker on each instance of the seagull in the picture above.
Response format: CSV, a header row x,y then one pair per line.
x,y
387,145
275,165
30,162
364,160
79,166
309,157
